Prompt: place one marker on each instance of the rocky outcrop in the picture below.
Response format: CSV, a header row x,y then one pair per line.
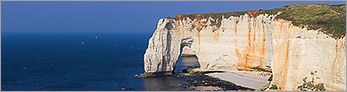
x,y
163,48
249,42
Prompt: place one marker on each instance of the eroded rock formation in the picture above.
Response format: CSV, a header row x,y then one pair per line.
x,y
247,42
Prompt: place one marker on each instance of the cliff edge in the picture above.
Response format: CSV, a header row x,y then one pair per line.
x,y
294,43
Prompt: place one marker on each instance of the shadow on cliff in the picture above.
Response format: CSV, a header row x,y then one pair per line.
x,y
185,63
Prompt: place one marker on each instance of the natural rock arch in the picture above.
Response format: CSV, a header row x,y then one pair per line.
x,y
166,64
164,49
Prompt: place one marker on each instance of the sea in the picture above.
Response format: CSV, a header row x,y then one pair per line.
x,y
78,61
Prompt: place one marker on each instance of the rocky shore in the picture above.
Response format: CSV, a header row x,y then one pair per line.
x,y
201,82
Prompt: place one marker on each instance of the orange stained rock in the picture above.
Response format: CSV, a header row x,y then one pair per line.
x,y
263,48
198,41
255,50
199,28
249,33
238,54
216,35
239,58
179,17
253,13
198,24
235,28
244,64
334,64
251,53
247,58
241,64
283,76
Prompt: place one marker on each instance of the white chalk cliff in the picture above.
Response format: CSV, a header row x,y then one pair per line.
x,y
246,42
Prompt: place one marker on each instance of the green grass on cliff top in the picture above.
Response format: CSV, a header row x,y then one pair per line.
x,y
330,19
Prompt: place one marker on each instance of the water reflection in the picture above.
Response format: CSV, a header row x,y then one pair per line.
x,y
167,83
172,83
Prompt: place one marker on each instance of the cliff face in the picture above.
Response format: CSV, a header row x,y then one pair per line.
x,y
249,42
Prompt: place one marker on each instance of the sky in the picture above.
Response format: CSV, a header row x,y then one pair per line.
x,y
126,17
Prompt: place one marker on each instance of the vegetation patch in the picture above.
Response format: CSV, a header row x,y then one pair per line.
x,y
310,86
269,85
273,87
330,19
261,69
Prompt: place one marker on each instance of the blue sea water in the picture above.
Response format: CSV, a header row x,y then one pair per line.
x,y
60,61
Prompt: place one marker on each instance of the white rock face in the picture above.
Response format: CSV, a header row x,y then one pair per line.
x,y
300,52
244,43
163,48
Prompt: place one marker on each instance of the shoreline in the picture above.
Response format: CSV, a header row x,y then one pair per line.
x,y
201,81
221,81
204,81
244,79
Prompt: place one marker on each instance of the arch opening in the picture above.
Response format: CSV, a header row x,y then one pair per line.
x,y
187,59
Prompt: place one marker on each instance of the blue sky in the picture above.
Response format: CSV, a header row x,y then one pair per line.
x,y
133,17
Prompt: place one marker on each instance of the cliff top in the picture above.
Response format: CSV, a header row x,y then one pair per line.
x,y
331,19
